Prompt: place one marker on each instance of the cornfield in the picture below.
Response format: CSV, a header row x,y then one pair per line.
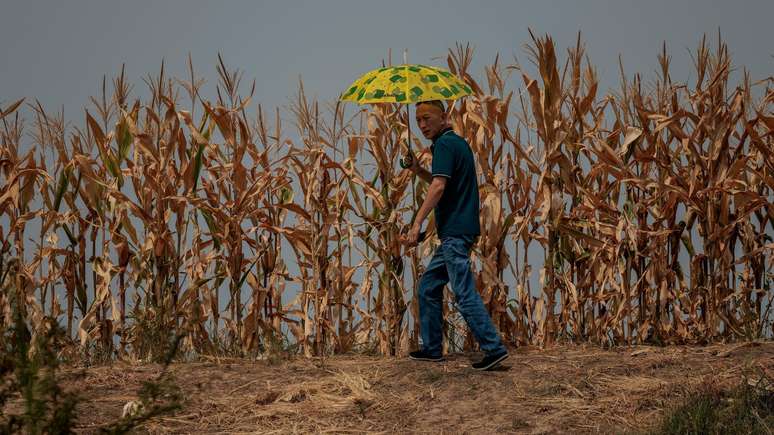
x,y
641,215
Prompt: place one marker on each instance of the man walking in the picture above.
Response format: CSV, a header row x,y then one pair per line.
x,y
453,194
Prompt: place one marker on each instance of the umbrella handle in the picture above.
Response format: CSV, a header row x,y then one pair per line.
x,y
407,161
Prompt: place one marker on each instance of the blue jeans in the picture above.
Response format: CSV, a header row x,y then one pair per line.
x,y
451,263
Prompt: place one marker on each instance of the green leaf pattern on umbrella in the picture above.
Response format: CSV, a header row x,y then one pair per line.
x,y
406,84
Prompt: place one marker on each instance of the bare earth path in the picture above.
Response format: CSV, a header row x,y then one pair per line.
x,y
568,389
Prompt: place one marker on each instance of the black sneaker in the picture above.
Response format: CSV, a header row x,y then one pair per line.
x,y
421,355
491,361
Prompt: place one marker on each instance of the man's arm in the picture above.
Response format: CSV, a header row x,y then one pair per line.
x,y
434,194
423,174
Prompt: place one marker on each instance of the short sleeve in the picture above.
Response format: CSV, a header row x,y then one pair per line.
x,y
443,160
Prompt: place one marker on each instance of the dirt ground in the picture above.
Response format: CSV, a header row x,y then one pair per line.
x,y
568,389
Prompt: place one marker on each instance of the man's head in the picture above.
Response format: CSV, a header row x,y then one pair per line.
x,y
431,118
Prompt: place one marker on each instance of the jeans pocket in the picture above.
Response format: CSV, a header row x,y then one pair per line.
x,y
456,253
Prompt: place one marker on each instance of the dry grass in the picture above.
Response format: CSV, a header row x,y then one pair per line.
x,y
651,206
576,389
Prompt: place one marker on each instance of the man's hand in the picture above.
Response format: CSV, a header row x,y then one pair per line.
x,y
412,238
410,162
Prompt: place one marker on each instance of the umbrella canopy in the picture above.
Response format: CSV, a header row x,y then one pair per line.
x,y
406,84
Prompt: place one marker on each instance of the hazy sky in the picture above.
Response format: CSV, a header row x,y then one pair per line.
x,y
57,51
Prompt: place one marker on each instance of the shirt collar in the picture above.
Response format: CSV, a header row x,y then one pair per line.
x,y
441,133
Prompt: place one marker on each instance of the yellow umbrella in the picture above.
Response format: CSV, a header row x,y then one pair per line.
x,y
406,84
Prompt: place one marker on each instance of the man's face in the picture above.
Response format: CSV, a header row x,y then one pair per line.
x,y
430,119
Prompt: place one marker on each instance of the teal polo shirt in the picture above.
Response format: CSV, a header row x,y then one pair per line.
x,y
457,212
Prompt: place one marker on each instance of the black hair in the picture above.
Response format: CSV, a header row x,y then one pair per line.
x,y
436,103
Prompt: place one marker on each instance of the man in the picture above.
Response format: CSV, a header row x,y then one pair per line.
x,y
453,194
